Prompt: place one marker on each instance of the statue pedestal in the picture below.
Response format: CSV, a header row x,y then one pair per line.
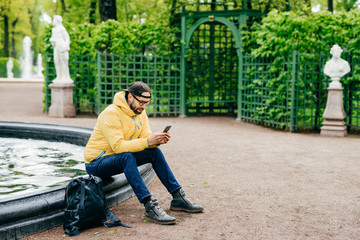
x,y
62,100
334,114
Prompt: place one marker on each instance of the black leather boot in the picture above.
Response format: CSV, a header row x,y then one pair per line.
x,y
181,203
155,213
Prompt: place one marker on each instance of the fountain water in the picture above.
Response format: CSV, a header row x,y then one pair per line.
x,y
26,59
39,66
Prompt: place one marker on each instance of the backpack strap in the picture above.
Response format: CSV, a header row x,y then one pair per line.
x,y
82,196
115,221
73,232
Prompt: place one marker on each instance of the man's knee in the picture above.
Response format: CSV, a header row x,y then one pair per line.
x,y
126,159
158,155
157,150
126,155
154,153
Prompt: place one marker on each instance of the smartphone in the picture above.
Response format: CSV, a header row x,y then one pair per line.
x,y
167,128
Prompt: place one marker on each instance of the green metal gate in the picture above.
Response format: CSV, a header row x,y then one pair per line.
x,y
212,71
211,56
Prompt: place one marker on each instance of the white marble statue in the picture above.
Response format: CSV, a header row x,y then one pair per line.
x,y
60,40
336,67
9,67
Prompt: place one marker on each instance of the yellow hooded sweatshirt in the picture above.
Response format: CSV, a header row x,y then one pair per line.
x,y
118,129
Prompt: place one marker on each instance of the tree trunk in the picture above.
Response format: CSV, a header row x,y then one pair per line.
x,y
287,6
107,10
173,8
13,49
308,5
92,11
63,6
172,12
6,36
248,5
268,5
331,5
213,5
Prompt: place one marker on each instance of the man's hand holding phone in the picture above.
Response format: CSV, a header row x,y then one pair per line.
x,y
158,138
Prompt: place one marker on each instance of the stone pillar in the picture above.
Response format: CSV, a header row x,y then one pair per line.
x,y
334,114
62,100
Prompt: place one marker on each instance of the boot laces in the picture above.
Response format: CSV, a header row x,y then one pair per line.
x,y
182,194
156,207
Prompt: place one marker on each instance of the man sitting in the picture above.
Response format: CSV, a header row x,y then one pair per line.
x,y
122,141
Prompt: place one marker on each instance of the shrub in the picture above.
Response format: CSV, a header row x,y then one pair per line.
x,y
283,32
115,37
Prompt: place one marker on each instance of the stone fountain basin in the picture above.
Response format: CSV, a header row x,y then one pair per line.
x,y
23,215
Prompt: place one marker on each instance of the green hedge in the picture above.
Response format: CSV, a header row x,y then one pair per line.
x,y
281,33
119,38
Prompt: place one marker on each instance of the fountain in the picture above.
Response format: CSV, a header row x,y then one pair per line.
x,y
26,214
9,67
39,67
26,59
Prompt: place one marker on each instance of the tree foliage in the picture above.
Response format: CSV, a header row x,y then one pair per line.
x,y
283,32
30,18
87,11
22,18
307,5
19,18
338,5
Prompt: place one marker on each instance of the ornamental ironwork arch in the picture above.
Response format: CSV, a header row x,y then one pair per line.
x,y
211,54
222,20
186,40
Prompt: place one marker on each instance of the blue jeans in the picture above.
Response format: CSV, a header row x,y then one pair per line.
x,y
128,162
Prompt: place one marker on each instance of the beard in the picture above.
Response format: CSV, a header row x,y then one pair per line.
x,y
136,110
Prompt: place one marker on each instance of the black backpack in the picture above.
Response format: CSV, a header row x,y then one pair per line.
x,y
86,206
